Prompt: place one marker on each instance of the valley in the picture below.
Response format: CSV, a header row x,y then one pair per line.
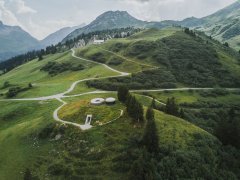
x,y
200,73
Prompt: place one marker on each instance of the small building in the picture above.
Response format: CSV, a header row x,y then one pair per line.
x,y
97,101
80,43
98,41
110,101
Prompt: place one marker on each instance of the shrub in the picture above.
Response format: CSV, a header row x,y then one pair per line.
x,y
115,61
98,57
54,68
46,131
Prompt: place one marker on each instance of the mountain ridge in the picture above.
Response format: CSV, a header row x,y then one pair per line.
x,y
108,20
223,25
59,35
14,41
111,20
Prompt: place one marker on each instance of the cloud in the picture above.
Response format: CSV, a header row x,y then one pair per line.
x,y
157,10
7,16
42,17
21,8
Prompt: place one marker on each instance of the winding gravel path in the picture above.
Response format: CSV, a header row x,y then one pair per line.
x,y
60,96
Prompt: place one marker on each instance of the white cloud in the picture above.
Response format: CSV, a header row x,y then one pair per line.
x,y
156,10
42,17
7,16
20,7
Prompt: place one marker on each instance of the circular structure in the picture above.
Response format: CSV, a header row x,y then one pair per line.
x,y
110,101
97,101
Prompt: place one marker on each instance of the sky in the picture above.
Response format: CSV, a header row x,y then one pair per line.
x,y
42,17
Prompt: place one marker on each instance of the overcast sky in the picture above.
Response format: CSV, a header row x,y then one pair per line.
x,y
42,17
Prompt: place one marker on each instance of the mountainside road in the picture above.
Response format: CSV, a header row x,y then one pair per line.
x,y
60,96
121,73
142,64
86,126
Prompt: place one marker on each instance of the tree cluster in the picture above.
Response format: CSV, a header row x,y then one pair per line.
x,y
134,107
190,32
150,138
228,130
144,167
23,58
172,108
103,34
13,91
55,68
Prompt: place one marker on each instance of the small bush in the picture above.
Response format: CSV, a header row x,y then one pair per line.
x,y
115,61
54,68
47,131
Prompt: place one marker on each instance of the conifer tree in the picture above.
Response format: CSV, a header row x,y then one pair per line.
x,y
130,105
172,107
135,109
149,114
143,168
228,130
150,138
27,175
181,113
139,112
40,57
30,85
153,105
123,93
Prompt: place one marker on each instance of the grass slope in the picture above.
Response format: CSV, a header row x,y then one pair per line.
x,y
77,111
18,122
96,153
43,83
182,60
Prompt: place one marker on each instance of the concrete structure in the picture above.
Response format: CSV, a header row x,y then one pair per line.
x,y
97,101
110,101
88,120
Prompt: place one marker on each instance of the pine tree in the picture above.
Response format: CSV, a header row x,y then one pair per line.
x,y
27,175
139,112
153,105
149,114
150,138
143,168
181,113
228,130
30,85
130,105
40,57
172,107
123,93
135,109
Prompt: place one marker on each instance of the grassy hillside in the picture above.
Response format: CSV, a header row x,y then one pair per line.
x,y
179,59
30,138
223,25
98,153
19,148
77,111
45,84
157,58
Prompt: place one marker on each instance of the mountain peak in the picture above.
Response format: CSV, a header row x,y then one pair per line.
x,y
115,19
115,14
